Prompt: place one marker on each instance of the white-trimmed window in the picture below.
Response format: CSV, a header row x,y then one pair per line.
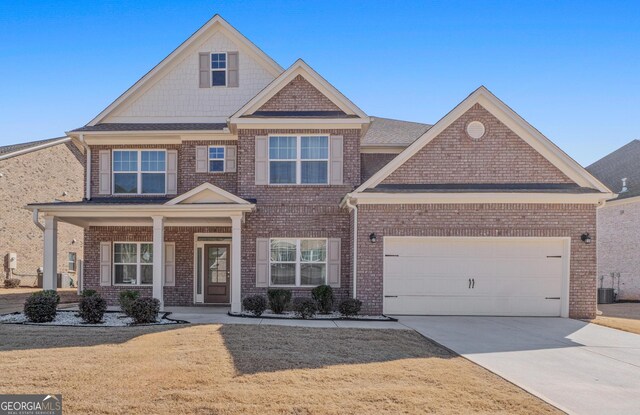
x,y
298,262
218,69
300,159
139,171
216,159
72,262
133,263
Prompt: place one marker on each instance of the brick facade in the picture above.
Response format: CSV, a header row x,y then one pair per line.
x,y
495,220
52,173
618,241
370,163
500,156
299,95
183,236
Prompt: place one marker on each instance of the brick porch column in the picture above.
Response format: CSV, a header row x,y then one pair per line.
x,y
158,258
236,264
50,263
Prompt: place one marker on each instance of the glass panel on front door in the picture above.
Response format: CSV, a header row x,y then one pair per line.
x,y
217,283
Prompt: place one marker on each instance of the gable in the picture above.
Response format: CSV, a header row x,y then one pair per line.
x,y
170,92
500,156
299,95
207,193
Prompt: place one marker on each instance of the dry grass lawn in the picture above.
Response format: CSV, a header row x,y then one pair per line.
x,y
232,369
621,316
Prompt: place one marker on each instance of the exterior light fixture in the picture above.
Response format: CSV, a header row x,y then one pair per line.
x,y
373,238
586,238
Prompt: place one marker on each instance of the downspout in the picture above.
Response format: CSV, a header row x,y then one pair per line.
x,y
87,168
36,220
354,208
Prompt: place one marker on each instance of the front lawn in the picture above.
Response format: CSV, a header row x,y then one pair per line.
x,y
250,369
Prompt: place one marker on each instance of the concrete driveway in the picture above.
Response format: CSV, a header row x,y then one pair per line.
x,y
578,367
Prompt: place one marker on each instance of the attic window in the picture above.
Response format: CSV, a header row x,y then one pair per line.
x,y
218,69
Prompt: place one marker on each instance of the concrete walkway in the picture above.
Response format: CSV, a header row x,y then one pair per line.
x,y
218,315
578,367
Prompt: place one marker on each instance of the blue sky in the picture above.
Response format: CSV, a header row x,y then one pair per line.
x,y
572,69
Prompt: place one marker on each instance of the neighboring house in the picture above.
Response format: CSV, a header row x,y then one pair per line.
x,y
39,171
619,221
219,174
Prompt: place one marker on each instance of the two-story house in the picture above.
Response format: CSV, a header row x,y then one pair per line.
x,y
220,174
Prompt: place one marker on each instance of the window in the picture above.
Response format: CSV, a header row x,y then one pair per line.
x,y
298,159
216,159
72,262
218,69
298,262
139,172
133,263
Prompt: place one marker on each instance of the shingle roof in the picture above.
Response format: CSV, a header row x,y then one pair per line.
x,y
390,132
12,148
622,163
152,127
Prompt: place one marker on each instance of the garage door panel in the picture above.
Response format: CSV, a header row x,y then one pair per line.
x,y
511,276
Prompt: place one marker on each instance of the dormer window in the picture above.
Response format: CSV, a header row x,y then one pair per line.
x,y
218,69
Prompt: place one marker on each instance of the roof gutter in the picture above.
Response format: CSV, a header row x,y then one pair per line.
x,y
35,148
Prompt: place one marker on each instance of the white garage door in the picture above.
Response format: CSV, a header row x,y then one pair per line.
x,y
474,276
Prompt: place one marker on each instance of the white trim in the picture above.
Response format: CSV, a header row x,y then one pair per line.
x,y
298,160
224,158
300,123
139,172
373,149
566,259
513,121
298,262
368,198
35,148
208,29
207,187
137,264
299,67
618,202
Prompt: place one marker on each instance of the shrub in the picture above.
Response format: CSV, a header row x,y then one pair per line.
x,y
279,300
41,307
323,294
126,299
92,308
88,293
11,283
256,304
304,307
145,310
350,307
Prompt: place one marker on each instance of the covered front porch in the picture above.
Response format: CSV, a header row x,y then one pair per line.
x,y
183,251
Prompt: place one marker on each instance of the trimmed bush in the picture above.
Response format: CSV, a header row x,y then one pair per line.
x,y
323,295
11,283
88,293
92,308
41,307
126,298
350,307
279,299
145,310
255,304
304,307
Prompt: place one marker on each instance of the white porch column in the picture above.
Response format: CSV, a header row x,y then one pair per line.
x,y
236,264
50,263
158,258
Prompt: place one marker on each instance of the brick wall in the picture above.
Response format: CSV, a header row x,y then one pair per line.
x,y
187,176
370,163
299,95
618,241
515,220
38,176
500,156
180,294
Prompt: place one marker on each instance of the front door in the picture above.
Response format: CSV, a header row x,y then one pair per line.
x,y
217,277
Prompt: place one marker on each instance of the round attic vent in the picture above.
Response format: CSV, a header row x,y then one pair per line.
x,y
475,130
